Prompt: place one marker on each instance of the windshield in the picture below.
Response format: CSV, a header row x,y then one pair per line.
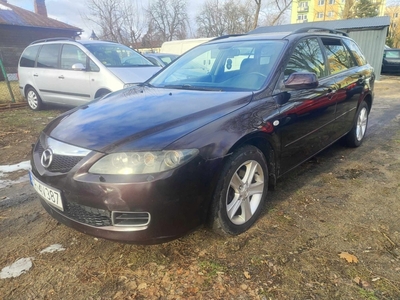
x,y
224,66
117,55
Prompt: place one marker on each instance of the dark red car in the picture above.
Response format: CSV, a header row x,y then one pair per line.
x,y
203,140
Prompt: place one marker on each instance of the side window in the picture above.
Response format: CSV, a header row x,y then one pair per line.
x,y
71,55
307,57
28,57
48,56
355,50
93,67
339,58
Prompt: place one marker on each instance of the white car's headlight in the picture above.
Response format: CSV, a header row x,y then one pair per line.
x,y
127,85
129,163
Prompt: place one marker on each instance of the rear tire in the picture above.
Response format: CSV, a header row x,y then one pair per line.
x,y
356,136
33,99
241,192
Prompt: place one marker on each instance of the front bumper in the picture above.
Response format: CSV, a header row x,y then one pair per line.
x,y
160,207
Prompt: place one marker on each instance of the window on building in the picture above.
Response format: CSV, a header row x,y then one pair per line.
x,y
321,2
320,15
301,17
331,2
395,15
331,14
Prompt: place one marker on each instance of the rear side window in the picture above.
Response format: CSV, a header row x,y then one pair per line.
x,y
339,58
28,57
392,54
48,56
307,57
356,52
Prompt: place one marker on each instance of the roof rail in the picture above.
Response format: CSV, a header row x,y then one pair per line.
x,y
227,36
308,29
53,39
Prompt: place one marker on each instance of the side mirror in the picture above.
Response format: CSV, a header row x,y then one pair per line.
x,y
78,67
301,80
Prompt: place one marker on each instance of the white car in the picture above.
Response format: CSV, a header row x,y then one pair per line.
x,y
68,72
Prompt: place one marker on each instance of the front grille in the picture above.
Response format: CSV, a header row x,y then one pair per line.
x,y
60,163
87,215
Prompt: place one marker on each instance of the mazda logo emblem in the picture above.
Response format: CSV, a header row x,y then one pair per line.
x,y
47,158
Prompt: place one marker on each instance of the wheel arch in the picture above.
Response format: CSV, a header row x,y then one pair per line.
x,y
27,86
368,100
101,92
268,146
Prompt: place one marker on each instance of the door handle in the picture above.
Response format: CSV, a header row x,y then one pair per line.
x,y
61,76
35,75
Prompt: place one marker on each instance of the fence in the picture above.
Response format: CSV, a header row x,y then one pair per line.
x,y
9,88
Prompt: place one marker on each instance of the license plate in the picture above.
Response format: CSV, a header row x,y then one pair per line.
x,y
51,195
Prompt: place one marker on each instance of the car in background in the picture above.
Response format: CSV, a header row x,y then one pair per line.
x,y
69,72
161,59
391,61
152,162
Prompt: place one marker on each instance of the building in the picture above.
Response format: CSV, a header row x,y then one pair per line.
x,y
369,34
20,27
324,10
393,12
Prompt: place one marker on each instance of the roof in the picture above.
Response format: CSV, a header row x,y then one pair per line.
x,y
14,15
345,25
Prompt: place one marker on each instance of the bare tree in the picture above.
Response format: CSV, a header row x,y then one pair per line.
x,y
274,11
217,17
168,19
257,14
119,21
393,37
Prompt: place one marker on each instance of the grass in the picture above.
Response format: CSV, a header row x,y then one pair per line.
x,y
5,96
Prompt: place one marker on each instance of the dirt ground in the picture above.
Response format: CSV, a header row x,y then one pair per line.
x,y
330,230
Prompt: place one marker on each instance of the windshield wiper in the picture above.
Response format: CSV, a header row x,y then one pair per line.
x,y
191,87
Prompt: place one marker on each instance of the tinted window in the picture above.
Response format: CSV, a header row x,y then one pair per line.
x,y
93,67
307,57
339,58
71,55
356,52
225,66
116,55
48,56
392,54
29,56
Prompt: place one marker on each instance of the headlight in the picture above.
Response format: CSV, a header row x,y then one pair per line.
x,y
142,162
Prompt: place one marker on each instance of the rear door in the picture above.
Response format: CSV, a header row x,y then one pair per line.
x,y
46,73
350,80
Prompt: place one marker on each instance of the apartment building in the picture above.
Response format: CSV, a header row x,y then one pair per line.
x,y
324,10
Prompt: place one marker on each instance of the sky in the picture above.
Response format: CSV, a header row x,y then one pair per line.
x,y
72,12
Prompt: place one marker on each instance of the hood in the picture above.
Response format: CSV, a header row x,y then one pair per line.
x,y
134,74
138,119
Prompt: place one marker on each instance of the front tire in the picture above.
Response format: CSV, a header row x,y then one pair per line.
x,y
33,99
356,136
241,192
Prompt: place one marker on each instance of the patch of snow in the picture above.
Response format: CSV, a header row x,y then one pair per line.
x,y
53,248
25,165
3,7
16,269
